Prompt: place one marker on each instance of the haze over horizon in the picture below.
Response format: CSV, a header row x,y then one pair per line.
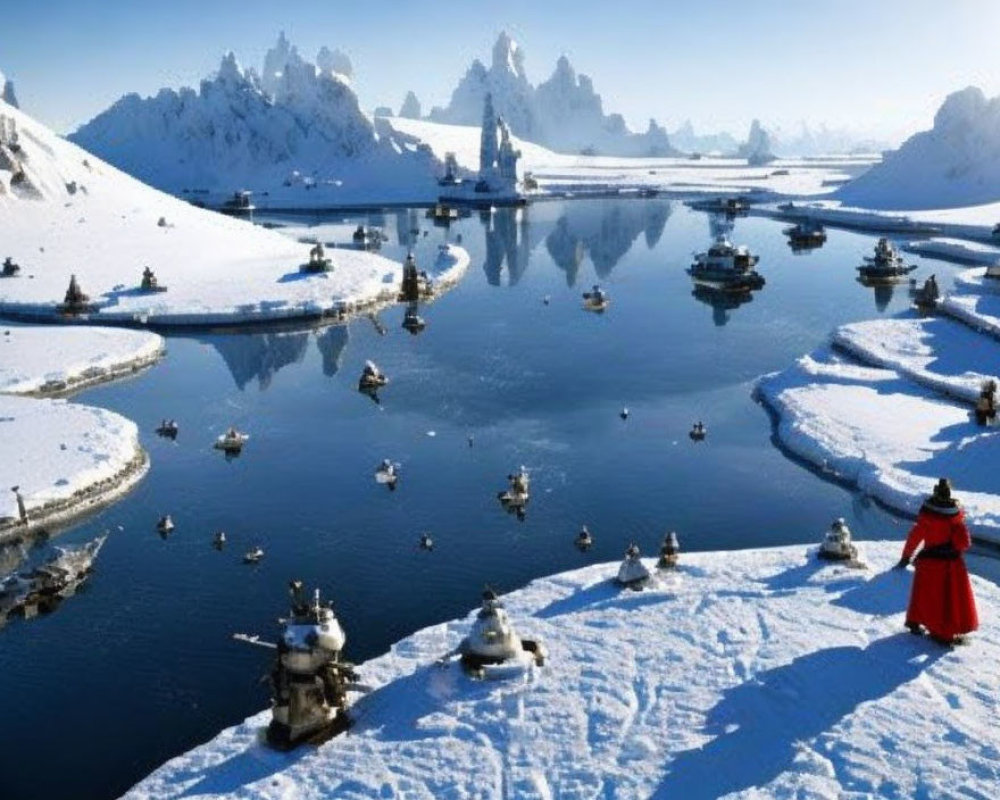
x,y
878,70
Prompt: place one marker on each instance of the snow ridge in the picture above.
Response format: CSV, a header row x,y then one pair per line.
x,y
956,163
296,122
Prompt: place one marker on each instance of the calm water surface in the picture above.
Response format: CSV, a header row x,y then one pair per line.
x,y
140,665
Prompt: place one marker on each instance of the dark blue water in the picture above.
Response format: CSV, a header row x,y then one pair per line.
x,y
140,665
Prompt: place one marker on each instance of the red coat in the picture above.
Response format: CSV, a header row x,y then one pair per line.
x,y
941,599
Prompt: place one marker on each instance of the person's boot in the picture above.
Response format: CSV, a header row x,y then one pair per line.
x,y
914,628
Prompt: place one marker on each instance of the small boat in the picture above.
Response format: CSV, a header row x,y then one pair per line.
x,y
219,540
596,300
372,378
698,431
725,266
516,495
624,413
232,441
886,265
926,297
43,588
165,524
168,429
387,473
584,541
805,235
253,556
426,542
730,206
10,269
239,204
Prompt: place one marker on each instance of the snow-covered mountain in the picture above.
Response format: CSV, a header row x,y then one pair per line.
x,y
685,138
563,113
295,126
411,107
757,148
956,163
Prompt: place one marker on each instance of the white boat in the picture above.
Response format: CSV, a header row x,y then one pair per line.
x,y
253,556
726,266
165,524
231,441
387,473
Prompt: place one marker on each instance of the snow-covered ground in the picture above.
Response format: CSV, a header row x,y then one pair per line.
x,y
887,435
559,174
49,359
899,414
73,214
65,458
759,673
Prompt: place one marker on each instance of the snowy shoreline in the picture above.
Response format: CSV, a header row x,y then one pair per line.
x,y
790,671
68,459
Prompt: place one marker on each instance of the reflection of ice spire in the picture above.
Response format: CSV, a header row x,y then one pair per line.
x,y
331,344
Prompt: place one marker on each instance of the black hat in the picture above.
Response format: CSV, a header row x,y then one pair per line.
x,y
942,490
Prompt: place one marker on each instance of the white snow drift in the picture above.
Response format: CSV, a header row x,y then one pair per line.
x,y
48,359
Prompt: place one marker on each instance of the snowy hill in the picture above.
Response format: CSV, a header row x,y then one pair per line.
x,y
563,113
759,673
66,212
757,149
294,132
956,163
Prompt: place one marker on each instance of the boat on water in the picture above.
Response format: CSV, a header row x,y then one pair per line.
x,y
240,204
805,235
886,265
253,556
372,378
516,496
731,206
44,587
727,266
232,441
596,300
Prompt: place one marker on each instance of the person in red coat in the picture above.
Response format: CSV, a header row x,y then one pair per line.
x,y
941,600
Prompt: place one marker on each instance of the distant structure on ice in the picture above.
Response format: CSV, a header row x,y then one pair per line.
x,y
497,158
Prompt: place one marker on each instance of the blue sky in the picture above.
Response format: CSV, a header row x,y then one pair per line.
x,y
878,66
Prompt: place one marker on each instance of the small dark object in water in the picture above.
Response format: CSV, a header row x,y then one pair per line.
x,y
698,432
623,413
10,269
168,429
584,541
426,542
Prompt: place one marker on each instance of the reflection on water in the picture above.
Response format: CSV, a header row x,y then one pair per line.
x,y
721,301
259,356
507,241
605,233
883,292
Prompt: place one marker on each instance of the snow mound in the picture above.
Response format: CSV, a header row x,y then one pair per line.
x,y
956,163
60,453
563,113
296,132
84,217
84,355
761,673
